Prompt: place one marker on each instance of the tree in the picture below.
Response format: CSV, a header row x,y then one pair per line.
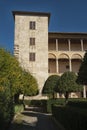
x,y
13,80
18,79
7,107
6,100
29,84
49,86
82,74
67,83
10,70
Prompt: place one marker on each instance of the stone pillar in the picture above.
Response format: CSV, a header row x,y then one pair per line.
x,y
57,67
70,68
84,91
69,44
82,45
56,44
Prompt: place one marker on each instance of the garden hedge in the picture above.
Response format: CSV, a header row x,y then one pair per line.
x,y
70,117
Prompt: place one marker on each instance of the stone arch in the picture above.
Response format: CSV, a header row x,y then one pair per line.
x,y
63,61
76,56
76,60
51,63
51,56
63,56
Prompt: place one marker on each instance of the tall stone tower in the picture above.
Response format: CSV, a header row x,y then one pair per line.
x,y
31,43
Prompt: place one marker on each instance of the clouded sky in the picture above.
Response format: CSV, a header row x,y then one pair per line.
x,y
66,16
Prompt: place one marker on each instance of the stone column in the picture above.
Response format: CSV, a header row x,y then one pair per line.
x,y
57,67
82,45
84,91
70,68
56,44
69,44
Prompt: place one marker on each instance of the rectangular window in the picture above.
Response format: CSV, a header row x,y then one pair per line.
x,y
32,25
32,41
32,56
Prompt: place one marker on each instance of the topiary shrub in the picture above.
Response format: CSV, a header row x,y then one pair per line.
x,y
6,109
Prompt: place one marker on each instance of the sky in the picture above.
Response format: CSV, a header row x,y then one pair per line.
x,y
66,16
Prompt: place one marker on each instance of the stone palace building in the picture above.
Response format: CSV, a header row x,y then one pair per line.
x,y
46,53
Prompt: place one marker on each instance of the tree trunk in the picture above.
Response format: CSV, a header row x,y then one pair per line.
x,y
66,97
84,91
53,95
23,102
16,98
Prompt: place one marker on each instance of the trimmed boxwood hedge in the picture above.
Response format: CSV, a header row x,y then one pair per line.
x,y
6,110
70,117
37,103
79,104
45,104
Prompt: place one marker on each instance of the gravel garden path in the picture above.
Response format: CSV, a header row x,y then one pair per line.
x,y
34,120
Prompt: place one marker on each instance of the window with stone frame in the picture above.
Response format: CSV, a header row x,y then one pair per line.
x,y
31,56
32,25
32,41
